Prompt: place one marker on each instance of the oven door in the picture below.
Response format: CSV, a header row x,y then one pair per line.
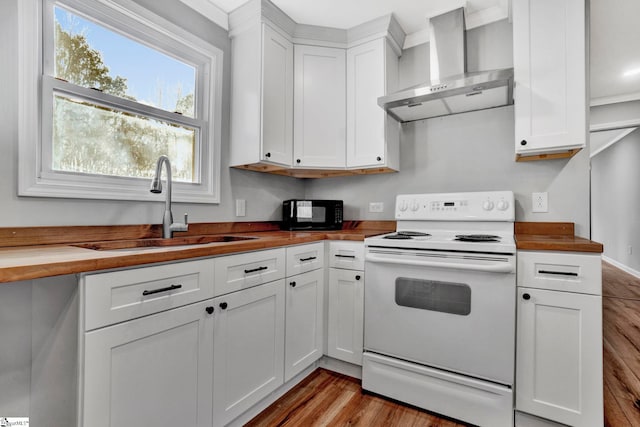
x,y
447,310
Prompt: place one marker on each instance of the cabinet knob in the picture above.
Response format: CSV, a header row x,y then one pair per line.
x,y
209,310
526,297
267,155
292,284
379,158
358,277
223,305
298,160
523,142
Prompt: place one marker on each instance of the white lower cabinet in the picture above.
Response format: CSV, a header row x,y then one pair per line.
x,y
559,357
248,355
346,315
304,321
150,371
559,337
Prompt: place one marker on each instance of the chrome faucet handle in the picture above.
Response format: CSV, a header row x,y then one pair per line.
x,y
177,226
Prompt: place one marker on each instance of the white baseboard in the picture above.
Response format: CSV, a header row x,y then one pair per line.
x,y
621,266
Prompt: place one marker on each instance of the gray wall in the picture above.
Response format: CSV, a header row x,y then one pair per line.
x,y
467,152
615,200
264,193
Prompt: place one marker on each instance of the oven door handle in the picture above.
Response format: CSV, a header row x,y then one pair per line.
x,y
505,267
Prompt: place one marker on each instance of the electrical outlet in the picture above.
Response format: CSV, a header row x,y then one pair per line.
x,y
376,207
241,207
540,202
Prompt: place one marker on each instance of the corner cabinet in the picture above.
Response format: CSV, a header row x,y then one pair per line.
x,y
549,55
373,137
304,98
319,107
559,337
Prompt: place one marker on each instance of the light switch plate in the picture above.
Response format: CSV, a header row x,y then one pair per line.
x,y
540,202
241,207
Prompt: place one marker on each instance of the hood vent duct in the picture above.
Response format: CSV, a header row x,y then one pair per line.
x,y
451,90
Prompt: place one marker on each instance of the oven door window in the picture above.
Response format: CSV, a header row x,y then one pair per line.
x,y
432,295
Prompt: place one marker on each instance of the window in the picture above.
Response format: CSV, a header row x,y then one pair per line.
x,y
118,87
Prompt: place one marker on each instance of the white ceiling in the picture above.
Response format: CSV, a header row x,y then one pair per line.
x,y
614,29
411,14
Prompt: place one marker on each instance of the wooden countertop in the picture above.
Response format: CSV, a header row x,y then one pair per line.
x,y
25,262
552,236
35,252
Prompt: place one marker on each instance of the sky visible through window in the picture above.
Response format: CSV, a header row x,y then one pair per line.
x,y
152,77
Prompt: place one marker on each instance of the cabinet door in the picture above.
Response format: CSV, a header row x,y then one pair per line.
x,y
559,356
369,65
549,42
248,360
277,97
151,371
319,107
304,321
346,315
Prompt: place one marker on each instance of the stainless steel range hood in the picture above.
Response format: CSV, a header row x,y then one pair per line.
x,y
451,90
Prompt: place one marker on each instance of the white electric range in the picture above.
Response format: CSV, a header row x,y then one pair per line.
x,y
440,306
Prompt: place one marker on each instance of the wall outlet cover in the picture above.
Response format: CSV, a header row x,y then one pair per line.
x,y
376,207
540,202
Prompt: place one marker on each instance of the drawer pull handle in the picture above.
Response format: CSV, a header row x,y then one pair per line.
x,y
209,310
223,305
358,277
345,256
307,259
526,297
558,273
253,270
157,291
292,284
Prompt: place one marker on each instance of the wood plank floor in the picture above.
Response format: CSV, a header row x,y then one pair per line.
x,y
329,399
621,346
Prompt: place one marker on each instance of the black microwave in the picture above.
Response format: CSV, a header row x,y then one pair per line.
x,y
312,214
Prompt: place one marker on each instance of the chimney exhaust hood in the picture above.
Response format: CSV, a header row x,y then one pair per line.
x,y
451,90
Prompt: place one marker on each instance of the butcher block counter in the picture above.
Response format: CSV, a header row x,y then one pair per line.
x,y
36,252
552,236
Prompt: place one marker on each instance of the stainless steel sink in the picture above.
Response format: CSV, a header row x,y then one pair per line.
x,y
154,243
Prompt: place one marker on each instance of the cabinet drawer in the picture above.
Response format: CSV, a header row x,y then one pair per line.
x,y
236,272
303,258
346,255
560,271
117,296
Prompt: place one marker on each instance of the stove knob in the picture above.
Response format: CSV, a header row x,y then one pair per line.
x,y
403,205
502,205
415,205
487,205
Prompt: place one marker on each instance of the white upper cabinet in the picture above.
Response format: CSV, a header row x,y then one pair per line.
x,y
289,94
549,55
319,107
277,97
372,135
261,92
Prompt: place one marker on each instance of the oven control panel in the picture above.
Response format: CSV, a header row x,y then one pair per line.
x,y
477,206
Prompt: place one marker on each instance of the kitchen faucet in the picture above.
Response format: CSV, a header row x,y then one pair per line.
x,y
168,226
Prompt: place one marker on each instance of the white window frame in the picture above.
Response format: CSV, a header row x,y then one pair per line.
x,y
36,88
